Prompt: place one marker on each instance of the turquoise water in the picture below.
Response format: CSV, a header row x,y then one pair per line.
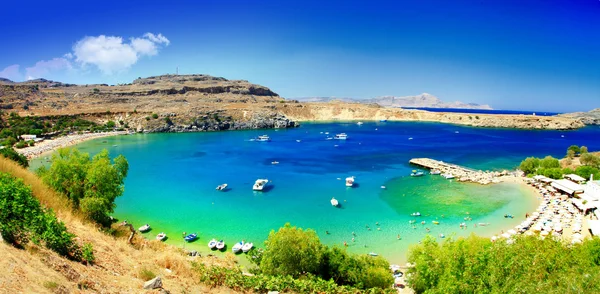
x,y
172,180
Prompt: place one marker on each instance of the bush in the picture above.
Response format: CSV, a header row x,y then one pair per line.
x,y
87,253
154,116
14,156
147,118
21,144
110,124
589,159
146,274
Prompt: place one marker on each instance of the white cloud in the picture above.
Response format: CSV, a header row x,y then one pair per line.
x,y
42,68
11,72
110,54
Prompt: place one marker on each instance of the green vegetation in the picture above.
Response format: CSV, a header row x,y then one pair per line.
x,y
297,253
550,167
110,124
529,265
14,156
22,219
91,184
154,116
146,274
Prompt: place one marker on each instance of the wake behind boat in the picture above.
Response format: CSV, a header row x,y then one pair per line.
x,y
260,184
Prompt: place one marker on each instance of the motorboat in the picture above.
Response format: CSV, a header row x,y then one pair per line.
x,y
247,247
382,187
383,120
341,136
237,247
359,123
508,216
448,176
415,214
350,181
222,187
435,222
212,244
417,173
274,162
263,138
220,245
161,236
334,202
435,172
260,184
373,254
144,228
298,141
191,237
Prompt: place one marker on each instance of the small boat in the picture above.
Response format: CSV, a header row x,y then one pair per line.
x,y
448,176
341,136
435,222
274,162
412,221
417,173
373,254
220,245
144,228
212,244
508,216
263,138
483,224
247,247
161,236
190,237
260,184
410,138
415,214
383,120
359,123
237,247
222,187
442,236
350,181
463,225
435,172
298,141
334,202
382,187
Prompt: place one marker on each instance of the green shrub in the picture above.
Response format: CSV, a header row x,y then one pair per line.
x,y
146,274
19,211
13,155
154,116
50,285
21,144
87,253
147,118
110,124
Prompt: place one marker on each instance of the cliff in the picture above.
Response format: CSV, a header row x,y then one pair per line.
x,y
589,118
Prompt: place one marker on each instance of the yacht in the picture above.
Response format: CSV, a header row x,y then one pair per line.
x,y
448,176
350,181
222,187
435,172
263,138
260,184
341,136
334,202
416,173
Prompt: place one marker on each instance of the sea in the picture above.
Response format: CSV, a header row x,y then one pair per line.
x,y
173,178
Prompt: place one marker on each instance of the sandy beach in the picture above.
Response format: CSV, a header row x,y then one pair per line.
x,y
48,146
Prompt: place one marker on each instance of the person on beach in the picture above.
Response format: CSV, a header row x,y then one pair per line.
x,y
398,236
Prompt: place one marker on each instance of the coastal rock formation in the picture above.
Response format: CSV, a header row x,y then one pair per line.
x,y
355,111
589,118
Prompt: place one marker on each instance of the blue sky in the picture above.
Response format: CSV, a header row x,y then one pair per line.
x,y
538,55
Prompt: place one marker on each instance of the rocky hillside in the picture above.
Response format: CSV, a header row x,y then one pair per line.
x,y
188,103
417,101
589,118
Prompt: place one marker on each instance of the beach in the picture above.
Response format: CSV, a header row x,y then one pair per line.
x,y
48,146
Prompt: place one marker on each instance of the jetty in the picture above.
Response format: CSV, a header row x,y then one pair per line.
x,y
460,173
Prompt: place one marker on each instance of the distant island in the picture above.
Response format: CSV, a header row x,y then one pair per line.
x,y
423,100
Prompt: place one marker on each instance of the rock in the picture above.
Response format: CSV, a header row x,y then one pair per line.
x,y
153,284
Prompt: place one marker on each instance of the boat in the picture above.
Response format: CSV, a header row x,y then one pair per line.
x,y
410,138
350,181
237,247
359,123
483,224
341,136
417,173
508,216
383,120
373,254
412,221
442,236
220,245
334,202
382,187
448,176
212,244
415,214
263,138
435,222
161,236
298,141
260,184
435,172
190,237
222,187
247,247
144,228
274,162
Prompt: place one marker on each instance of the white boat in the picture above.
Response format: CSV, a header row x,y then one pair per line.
x,y
274,162
237,247
144,228
373,254
161,236
448,176
415,214
382,187
260,184
263,138
435,172
298,141
247,247
220,245
212,244
222,187
334,202
359,123
350,181
341,136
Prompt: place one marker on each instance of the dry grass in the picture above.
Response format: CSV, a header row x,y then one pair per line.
x,y
119,267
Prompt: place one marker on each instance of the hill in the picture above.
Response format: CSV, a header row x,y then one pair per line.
x,y
591,117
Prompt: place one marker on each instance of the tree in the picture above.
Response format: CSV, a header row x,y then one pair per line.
x,y
110,124
18,210
585,171
90,184
529,165
570,154
583,150
590,159
549,162
14,156
573,148
292,251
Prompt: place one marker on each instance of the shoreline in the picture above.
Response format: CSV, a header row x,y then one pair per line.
x,y
49,146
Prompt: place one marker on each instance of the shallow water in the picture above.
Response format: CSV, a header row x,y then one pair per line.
x,y
172,180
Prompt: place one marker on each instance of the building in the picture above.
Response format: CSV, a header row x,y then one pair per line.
x,y
575,178
28,137
567,187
